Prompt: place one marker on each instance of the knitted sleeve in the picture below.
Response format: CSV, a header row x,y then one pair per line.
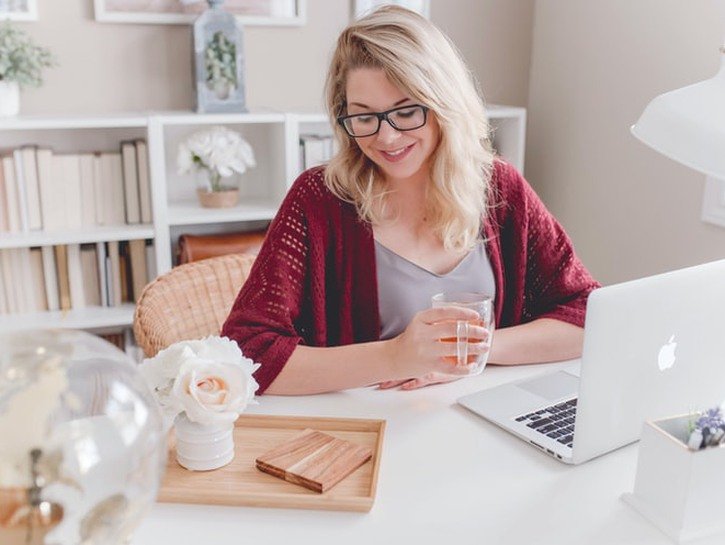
x,y
263,319
556,283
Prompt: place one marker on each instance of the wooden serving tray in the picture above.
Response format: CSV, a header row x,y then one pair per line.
x,y
241,483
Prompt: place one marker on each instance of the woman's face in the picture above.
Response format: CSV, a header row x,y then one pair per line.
x,y
401,155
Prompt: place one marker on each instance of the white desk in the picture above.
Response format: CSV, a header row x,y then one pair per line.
x,y
470,483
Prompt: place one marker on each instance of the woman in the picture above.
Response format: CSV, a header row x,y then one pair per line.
x,y
414,184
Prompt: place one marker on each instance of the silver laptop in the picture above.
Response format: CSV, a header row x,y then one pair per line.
x,y
653,347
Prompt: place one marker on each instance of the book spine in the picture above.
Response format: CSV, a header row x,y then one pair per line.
x,y
30,175
88,189
38,280
22,192
50,277
144,185
137,252
72,190
130,182
102,273
75,277
61,261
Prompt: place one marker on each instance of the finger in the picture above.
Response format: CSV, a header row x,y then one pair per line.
x,y
386,385
443,330
440,314
477,333
414,384
478,348
447,352
449,330
427,380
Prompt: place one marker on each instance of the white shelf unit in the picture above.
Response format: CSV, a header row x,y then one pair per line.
x,y
509,133
261,188
65,134
274,136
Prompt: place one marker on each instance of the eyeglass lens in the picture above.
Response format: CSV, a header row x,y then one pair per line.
x,y
404,119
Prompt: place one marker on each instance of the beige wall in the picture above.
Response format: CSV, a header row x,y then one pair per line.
x,y
585,69
124,67
595,65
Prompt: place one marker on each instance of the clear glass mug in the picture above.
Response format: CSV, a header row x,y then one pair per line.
x,y
463,363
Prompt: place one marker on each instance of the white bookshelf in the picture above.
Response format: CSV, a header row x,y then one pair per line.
x,y
509,133
274,136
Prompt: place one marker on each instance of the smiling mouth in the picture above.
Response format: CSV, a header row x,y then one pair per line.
x,y
398,154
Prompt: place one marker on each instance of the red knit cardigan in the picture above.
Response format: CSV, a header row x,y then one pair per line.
x,y
314,280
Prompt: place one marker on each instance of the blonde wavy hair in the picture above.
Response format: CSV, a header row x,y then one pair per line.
x,y
420,60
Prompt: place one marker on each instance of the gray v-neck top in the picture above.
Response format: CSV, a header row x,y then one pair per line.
x,y
405,288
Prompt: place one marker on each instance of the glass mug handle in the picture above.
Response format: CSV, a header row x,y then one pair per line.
x,y
462,342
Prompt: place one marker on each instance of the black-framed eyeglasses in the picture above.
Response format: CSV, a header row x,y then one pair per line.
x,y
402,118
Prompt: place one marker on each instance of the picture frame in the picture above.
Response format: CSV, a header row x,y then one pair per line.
x,y
19,10
183,12
362,7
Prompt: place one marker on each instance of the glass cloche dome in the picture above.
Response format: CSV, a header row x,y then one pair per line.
x,y
82,449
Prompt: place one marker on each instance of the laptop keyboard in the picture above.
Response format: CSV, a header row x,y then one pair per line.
x,y
556,421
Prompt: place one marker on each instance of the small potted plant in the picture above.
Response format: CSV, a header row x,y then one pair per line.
x,y
202,387
679,481
220,58
215,155
21,65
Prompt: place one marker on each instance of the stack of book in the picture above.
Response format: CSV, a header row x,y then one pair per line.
x,y
315,149
74,276
40,189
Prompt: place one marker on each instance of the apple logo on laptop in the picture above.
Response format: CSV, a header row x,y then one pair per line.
x,y
666,357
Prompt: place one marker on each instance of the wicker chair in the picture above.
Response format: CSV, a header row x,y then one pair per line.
x,y
190,301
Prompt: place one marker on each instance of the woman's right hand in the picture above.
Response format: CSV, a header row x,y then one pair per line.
x,y
420,349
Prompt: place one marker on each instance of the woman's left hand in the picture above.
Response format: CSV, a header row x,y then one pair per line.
x,y
415,383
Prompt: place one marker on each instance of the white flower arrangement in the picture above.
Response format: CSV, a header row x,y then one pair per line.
x,y
220,151
209,379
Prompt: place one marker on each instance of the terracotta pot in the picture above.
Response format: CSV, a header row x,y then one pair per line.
x,y
218,199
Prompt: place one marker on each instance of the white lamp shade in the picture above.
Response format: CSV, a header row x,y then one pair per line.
x,y
688,125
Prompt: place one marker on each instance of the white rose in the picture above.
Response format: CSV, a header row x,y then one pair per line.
x,y
209,379
160,372
214,392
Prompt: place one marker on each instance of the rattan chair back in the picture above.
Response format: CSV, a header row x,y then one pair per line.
x,y
189,302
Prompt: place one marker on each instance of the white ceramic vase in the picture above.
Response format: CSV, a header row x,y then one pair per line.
x,y
203,447
9,98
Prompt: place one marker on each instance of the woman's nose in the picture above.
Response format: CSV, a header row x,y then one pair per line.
x,y
387,132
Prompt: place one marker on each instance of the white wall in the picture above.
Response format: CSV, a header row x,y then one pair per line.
x,y
124,67
595,65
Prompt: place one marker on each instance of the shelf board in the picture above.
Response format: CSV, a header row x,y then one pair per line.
x,y
191,118
110,121
190,212
76,236
87,318
309,117
496,111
